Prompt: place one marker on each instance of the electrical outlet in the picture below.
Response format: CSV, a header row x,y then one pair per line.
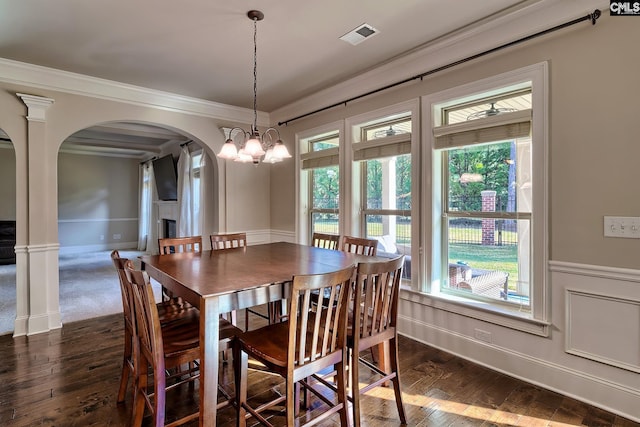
x,y
483,335
117,236
102,237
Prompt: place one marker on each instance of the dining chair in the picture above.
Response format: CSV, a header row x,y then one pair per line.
x,y
160,351
221,242
228,241
355,245
170,245
307,342
168,311
359,245
374,322
325,240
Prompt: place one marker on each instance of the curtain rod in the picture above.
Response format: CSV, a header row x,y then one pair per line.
x,y
150,160
593,17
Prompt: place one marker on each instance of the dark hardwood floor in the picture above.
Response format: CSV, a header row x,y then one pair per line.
x,y
69,377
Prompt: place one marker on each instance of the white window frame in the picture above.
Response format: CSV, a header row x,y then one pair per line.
x,y
303,218
353,215
535,321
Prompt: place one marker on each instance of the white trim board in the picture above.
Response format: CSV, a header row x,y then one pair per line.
x,y
36,76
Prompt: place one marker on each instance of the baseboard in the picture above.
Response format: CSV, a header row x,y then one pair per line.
x,y
64,250
283,236
20,326
599,392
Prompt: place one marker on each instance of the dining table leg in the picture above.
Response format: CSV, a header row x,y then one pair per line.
x,y
209,342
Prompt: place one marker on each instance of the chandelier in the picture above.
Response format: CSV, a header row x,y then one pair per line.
x,y
254,146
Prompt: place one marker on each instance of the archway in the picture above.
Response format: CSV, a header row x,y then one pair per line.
x,y
99,182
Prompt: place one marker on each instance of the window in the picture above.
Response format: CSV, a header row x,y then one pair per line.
x,y
386,186
488,198
146,204
196,159
324,192
382,163
320,164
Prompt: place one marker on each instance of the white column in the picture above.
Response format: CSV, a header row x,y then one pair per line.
x,y
42,246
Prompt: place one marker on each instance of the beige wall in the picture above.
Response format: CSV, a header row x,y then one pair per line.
x,y
97,198
593,130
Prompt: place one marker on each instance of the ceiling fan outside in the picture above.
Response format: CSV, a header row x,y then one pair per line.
x,y
492,111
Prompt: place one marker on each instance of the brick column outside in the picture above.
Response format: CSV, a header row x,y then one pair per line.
x,y
488,225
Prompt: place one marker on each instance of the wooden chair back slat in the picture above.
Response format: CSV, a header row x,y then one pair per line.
x,y
228,241
376,296
148,325
325,240
127,303
316,331
171,245
359,245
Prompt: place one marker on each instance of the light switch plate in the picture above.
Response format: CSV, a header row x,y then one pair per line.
x,y
622,226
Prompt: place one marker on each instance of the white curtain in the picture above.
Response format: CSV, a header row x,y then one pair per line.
x,y
206,206
147,185
188,222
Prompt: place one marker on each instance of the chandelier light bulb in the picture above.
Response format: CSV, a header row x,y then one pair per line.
x,y
228,150
280,150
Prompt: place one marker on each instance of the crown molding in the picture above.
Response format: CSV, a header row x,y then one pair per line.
x,y
534,16
35,76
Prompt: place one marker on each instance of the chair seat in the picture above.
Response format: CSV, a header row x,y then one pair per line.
x,y
270,343
176,309
180,337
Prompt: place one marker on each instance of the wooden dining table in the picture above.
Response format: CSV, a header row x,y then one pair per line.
x,y
221,281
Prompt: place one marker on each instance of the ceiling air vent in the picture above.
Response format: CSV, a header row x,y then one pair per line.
x,y
359,34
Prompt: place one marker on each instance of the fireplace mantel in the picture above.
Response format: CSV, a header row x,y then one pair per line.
x,y
167,209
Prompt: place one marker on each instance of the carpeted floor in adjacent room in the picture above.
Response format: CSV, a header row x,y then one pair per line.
x,y
89,287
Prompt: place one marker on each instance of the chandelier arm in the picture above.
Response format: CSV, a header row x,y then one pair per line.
x,y
244,133
266,133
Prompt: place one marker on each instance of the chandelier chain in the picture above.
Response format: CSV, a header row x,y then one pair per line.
x,y
255,74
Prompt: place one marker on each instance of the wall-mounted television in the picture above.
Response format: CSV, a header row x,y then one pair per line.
x,y
164,171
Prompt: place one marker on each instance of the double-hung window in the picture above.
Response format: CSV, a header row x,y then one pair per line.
x,y
321,164
489,199
384,153
196,193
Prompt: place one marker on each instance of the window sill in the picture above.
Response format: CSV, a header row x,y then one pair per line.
x,y
518,320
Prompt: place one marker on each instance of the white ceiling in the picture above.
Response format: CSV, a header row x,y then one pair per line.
x,y
204,49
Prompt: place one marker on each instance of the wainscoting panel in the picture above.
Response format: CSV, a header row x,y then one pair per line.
x,y
603,328
592,350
